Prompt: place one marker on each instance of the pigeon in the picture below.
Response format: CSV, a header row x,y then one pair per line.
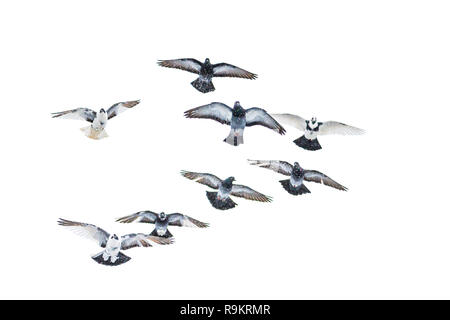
x,y
238,118
298,175
221,200
112,244
313,128
162,221
98,120
206,71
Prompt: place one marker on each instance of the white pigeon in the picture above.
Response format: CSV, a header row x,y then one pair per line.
x,y
98,120
313,128
112,244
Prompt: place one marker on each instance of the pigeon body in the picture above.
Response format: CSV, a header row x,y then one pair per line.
x,y
237,118
98,120
112,244
221,200
206,71
313,128
295,184
162,221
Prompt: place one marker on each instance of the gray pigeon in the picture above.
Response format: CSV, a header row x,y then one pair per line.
x,y
298,175
313,128
162,221
207,71
112,244
221,200
98,120
238,118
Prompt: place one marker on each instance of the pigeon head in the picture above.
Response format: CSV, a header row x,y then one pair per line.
x,y
162,216
238,111
207,61
313,122
102,110
114,236
297,169
228,182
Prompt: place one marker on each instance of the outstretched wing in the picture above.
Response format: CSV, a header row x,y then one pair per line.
x,y
141,216
255,116
190,65
248,193
86,230
228,70
204,178
215,111
333,127
291,120
134,240
181,220
282,167
319,177
120,107
76,114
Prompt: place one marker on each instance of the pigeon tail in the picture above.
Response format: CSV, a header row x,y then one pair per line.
x,y
165,235
307,144
235,138
121,258
94,134
223,204
203,85
294,190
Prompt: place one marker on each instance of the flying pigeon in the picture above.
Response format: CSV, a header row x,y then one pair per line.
x,y
98,120
112,244
312,128
206,71
294,185
162,221
221,200
238,118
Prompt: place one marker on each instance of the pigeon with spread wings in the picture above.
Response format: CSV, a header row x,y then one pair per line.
x,y
162,221
206,71
221,200
98,120
313,128
112,244
237,118
295,184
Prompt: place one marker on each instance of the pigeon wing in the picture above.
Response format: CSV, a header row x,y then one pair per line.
x,y
319,177
190,65
204,178
258,116
282,167
134,240
141,216
87,230
76,114
228,70
248,193
291,120
181,220
120,107
333,127
215,111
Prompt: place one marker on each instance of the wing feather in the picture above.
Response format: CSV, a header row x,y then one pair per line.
x,y
248,193
181,220
76,114
120,107
141,216
187,64
215,111
282,167
86,230
291,120
319,177
228,70
258,116
334,127
204,178
134,240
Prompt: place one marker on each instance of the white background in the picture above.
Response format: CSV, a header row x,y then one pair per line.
x,y
379,65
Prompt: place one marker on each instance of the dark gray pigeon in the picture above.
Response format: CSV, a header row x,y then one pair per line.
x,y
162,221
238,118
112,244
298,175
313,128
206,71
221,200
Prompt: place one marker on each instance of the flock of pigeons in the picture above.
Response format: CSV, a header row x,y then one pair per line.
x,y
237,118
